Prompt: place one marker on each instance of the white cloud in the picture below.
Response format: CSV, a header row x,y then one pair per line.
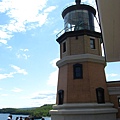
x,y
17,90
44,97
49,9
3,41
90,2
111,75
4,34
4,95
24,50
56,31
23,12
22,54
53,77
26,56
18,55
19,70
24,15
9,47
15,26
3,76
53,62
0,88
39,98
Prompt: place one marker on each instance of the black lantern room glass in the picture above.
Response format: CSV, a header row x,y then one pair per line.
x,y
79,20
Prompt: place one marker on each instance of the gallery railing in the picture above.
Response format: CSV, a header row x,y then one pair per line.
x,y
78,28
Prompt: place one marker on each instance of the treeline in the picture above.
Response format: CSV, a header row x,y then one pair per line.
x,y
36,112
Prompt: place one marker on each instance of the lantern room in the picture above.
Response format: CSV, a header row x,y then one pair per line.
x,y
78,17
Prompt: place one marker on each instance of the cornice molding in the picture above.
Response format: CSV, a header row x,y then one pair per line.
x,y
81,58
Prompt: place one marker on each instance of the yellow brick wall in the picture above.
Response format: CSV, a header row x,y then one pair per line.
x,y
80,46
62,81
82,90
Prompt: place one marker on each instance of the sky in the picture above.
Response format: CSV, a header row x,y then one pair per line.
x,y
29,51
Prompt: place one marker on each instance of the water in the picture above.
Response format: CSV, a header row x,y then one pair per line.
x,y
5,116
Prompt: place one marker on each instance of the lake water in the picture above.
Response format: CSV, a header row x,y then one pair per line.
x,y
5,116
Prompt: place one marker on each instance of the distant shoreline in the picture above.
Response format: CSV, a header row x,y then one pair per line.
x,y
36,112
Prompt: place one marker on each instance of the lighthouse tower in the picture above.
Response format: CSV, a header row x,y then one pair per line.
x,y
82,91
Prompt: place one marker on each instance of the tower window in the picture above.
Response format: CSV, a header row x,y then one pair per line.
x,y
64,47
60,97
119,102
92,43
100,95
78,71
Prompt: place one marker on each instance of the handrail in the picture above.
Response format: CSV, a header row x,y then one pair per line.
x,y
73,28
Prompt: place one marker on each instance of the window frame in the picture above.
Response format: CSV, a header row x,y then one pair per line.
x,y
92,43
100,95
75,76
60,97
64,47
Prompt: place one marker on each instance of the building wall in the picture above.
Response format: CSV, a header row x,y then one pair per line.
x,y
114,93
80,45
73,93
87,85
62,81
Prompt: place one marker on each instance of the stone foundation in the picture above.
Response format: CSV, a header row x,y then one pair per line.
x,y
83,111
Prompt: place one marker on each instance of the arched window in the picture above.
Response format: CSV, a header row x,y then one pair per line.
x,y
100,95
78,71
60,97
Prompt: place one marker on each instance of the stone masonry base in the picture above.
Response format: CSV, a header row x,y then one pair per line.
x,y
83,111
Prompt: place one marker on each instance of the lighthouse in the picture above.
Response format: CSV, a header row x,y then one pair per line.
x,y
82,92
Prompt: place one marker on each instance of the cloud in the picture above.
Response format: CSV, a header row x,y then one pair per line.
x,y
53,77
19,70
22,53
3,76
44,97
0,88
4,34
56,31
40,98
26,56
4,95
53,62
17,90
3,41
89,2
9,47
24,50
49,9
23,15
112,75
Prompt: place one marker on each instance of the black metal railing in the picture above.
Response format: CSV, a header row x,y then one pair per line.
x,y
78,28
